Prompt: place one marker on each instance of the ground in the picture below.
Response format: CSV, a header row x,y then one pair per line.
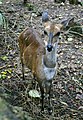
x,y
67,90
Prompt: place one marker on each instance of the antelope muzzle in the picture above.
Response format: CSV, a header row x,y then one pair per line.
x,y
49,45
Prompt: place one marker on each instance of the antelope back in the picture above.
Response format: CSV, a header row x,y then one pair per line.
x,y
31,48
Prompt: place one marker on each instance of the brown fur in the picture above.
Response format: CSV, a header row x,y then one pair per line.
x,y
31,48
52,27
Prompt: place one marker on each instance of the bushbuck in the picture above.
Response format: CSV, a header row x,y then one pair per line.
x,y
39,55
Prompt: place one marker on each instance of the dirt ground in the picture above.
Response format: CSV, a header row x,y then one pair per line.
x,y
67,90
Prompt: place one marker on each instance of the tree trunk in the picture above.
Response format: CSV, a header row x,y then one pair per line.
x,y
25,1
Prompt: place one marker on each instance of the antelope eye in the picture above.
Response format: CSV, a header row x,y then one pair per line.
x,y
45,32
58,33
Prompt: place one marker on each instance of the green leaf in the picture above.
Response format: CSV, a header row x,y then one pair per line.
x,y
9,71
4,72
4,58
3,76
34,93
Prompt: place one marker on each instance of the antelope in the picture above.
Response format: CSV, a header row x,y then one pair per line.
x,y
39,55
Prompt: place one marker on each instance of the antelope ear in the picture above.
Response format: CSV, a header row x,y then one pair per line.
x,y
45,16
67,22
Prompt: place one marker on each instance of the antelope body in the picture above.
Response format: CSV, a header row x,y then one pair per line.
x,y
40,56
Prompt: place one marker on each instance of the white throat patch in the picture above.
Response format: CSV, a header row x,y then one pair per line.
x,y
49,72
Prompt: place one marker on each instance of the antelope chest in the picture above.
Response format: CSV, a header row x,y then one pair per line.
x,y
50,64
49,72
49,69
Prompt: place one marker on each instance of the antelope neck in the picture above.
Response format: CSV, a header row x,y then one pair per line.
x,y
49,62
50,58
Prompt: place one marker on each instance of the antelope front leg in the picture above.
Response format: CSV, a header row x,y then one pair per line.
x,y
42,101
48,91
49,104
22,69
42,97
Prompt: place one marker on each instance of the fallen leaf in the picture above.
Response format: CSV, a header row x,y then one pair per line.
x,y
34,93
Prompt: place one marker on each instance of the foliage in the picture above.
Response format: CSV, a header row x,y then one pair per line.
x,y
6,73
30,7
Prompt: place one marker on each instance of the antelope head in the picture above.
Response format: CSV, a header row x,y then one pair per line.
x,y
51,31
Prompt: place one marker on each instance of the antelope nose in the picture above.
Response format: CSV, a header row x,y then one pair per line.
x,y
49,48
